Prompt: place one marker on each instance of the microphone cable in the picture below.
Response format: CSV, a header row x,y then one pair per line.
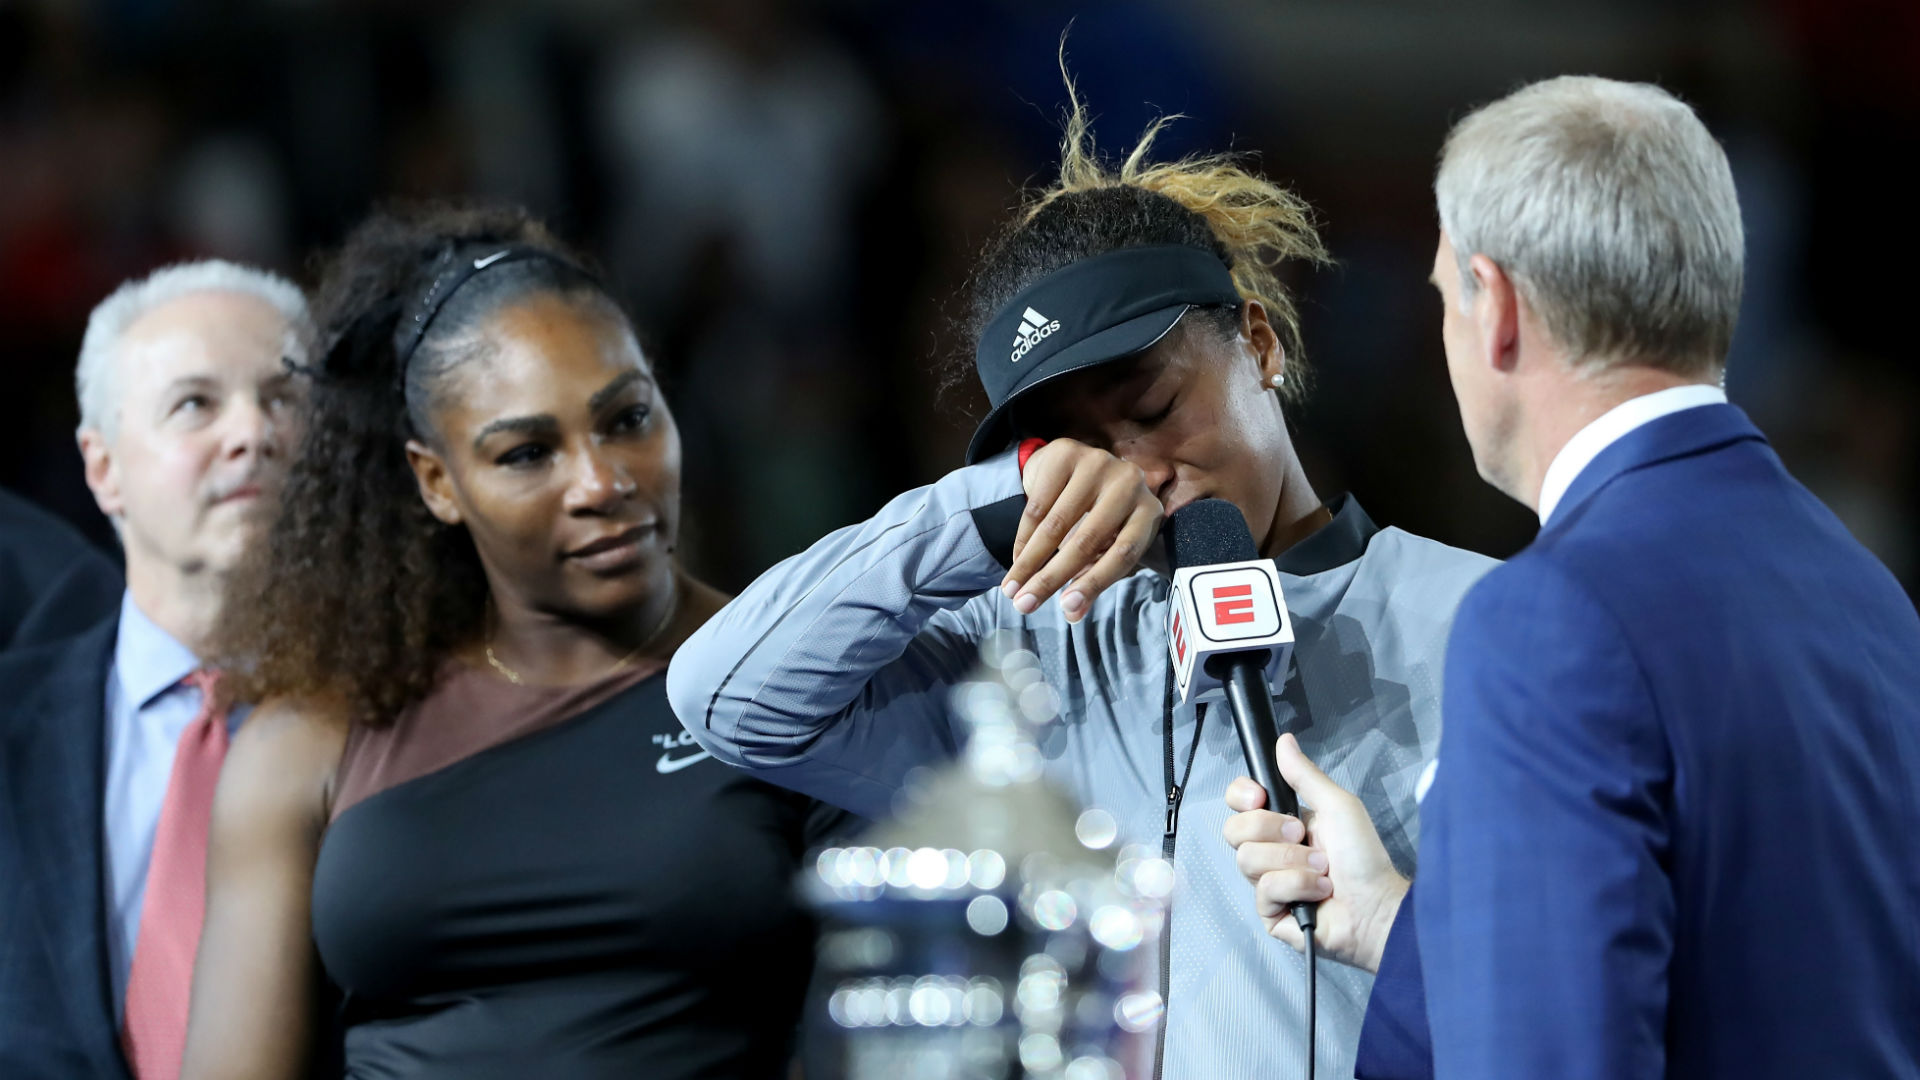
x,y
1313,996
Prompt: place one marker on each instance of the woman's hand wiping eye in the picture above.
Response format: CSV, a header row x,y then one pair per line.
x,y
1090,517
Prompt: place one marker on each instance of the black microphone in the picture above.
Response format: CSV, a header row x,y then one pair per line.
x,y
1221,603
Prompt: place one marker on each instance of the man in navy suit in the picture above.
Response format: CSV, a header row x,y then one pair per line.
x,y
1674,825
185,416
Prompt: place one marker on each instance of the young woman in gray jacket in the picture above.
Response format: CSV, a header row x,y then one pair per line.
x,y
1134,320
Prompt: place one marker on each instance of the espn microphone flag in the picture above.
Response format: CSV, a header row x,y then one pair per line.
x,y
1226,608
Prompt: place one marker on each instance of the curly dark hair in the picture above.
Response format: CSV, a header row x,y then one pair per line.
x,y
1211,202
359,594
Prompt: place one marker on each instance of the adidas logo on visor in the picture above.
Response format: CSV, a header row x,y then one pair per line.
x,y
1034,328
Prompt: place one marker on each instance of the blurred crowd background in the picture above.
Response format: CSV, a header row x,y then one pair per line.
x,y
791,193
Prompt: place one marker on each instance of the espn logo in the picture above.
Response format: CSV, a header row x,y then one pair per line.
x,y
1233,604
1225,608
1236,604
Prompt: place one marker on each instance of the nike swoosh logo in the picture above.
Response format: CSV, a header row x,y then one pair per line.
x,y
669,764
482,264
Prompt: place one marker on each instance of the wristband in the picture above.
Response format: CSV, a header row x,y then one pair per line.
x,y
1027,448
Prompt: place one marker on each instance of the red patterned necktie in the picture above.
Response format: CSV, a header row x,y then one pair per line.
x,y
161,976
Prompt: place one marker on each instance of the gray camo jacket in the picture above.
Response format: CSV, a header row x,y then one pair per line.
x,y
829,676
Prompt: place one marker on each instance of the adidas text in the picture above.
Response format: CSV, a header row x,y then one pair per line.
x,y
1034,328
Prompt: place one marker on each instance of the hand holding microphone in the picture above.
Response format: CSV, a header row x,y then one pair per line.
x,y
1333,856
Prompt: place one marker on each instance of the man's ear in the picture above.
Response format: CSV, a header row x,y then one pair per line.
x,y
435,481
102,470
1260,336
1496,310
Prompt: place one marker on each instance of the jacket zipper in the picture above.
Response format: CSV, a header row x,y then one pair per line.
x,y
1176,791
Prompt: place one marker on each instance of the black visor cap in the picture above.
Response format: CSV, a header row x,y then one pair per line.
x,y
1095,311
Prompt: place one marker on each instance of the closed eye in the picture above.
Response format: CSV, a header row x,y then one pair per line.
x,y
1155,418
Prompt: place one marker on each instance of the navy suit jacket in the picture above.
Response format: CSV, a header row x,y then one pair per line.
x,y
1675,828
53,582
56,1007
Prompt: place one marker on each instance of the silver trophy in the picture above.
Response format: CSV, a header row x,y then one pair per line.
x,y
990,931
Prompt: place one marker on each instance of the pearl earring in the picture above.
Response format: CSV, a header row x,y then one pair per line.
x,y
1277,381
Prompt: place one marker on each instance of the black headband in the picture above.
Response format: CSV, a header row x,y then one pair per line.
x,y
1097,310
455,267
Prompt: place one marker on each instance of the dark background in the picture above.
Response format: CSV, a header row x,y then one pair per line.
x,y
791,193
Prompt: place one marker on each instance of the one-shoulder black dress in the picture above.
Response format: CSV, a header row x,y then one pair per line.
x,y
585,895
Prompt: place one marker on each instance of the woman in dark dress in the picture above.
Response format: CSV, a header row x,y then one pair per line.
x,y
463,798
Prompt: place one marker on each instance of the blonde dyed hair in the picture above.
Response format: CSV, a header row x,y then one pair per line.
x,y
1256,224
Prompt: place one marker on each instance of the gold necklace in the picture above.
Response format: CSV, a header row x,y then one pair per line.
x,y
673,604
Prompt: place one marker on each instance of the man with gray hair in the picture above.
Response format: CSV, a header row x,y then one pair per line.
x,y
113,739
1670,831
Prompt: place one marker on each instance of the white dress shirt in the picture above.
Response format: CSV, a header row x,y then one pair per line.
x,y
1612,426
147,709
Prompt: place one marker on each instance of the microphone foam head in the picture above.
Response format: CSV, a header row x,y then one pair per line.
x,y
1206,532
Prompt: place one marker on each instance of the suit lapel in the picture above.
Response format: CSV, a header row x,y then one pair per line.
x,y
60,793
1687,432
